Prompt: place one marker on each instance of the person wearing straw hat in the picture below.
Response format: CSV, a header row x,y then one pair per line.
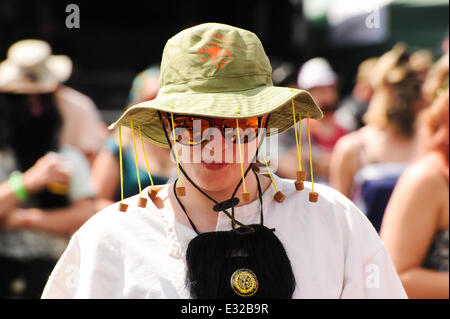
x,y
223,230
30,66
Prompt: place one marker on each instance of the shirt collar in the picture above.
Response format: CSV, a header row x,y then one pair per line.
x,y
180,235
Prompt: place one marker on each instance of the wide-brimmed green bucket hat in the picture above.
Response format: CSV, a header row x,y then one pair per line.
x,y
216,70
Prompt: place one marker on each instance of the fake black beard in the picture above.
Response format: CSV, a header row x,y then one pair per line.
x,y
213,257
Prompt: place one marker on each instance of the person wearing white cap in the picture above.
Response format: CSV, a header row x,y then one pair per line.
x,y
317,77
316,72
31,67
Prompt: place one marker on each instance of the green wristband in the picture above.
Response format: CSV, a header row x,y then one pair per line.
x,y
15,181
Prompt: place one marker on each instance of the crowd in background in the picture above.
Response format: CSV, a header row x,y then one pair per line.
x,y
385,146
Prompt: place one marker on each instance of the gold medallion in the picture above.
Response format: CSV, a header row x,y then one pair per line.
x,y
244,282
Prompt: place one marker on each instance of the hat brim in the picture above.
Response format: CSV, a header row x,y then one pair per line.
x,y
55,70
242,104
60,67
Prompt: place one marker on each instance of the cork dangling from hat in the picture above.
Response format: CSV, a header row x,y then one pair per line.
x,y
301,175
313,196
279,195
142,201
152,193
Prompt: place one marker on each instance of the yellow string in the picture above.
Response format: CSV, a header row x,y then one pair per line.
x,y
135,156
175,144
145,157
297,137
120,161
268,169
310,158
240,155
300,139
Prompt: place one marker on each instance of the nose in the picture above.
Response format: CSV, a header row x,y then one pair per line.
x,y
217,148
216,140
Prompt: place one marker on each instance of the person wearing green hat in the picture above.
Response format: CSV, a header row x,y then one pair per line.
x,y
224,228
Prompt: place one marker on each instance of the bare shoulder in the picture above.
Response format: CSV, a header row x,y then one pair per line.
x,y
426,171
347,151
421,187
351,142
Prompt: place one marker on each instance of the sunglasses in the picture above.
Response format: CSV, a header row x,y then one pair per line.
x,y
194,130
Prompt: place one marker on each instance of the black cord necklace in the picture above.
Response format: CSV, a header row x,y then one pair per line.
x,y
184,209
226,212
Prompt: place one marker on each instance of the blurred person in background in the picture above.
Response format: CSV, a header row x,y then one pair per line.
x,y
82,125
45,192
415,227
350,112
366,164
105,171
318,78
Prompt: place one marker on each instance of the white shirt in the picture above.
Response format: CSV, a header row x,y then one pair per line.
x,y
334,250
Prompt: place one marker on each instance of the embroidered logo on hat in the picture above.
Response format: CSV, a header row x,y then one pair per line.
x,y
217,51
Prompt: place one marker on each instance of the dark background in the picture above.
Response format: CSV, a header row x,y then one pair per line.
x,y
116,40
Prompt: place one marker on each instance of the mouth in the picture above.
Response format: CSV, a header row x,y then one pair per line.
x,y
214,166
